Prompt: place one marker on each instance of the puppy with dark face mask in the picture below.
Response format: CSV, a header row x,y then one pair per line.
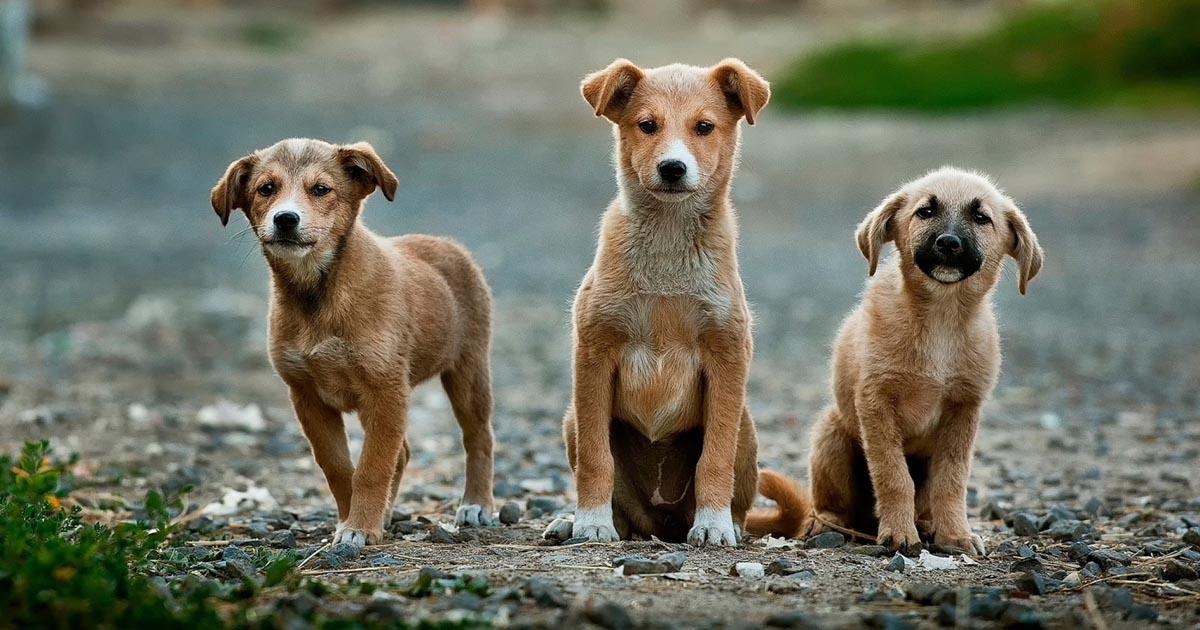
x,y
357,320
912,366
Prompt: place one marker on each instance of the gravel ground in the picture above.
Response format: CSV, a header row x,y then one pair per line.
x,y
132,332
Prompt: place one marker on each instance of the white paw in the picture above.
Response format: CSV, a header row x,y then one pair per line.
x,y
560,528
713,527
472,515
358,537
595,524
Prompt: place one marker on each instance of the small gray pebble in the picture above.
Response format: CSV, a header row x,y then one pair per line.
x,y
827,540
510,513
545,593
1026,524
284,538
783,566
874,551
441,535
609,615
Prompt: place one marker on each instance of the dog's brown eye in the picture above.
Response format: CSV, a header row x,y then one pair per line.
x,y
980,218
267,189
926,212
648,126
320,190
704,128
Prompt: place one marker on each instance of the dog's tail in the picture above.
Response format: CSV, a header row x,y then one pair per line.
x,y
792,510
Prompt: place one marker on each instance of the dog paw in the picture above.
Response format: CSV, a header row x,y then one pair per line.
x,y
903,538
355,536
713,527
595,524
472,515
963,542
595,533
559,529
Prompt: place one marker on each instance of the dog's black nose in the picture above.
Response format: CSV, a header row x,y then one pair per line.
x,y
287,220
948,244
671,171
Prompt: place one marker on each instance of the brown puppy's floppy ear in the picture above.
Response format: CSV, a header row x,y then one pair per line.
x,y
230,192
608,90
1025,248
366,167
876,228
745,90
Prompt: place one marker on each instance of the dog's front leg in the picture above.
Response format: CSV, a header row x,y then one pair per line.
x,y
383,414
592,399
724,402
949,471
883,446
326,435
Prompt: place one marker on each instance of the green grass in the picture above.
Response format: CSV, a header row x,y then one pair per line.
x,y
1141,53
58,571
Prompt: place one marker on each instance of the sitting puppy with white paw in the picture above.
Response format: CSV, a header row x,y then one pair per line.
x,y
658,434
357,320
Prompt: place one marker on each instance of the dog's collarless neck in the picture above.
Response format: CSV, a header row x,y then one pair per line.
x,y
310,295
669,251
959,303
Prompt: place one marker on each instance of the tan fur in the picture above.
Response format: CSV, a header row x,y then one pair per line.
x,y
792,511
662,341
357,320
912,366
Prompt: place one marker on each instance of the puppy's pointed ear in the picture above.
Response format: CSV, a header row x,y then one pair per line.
x,y
365,166
745,90
231,192
1024,247
876,228
608,90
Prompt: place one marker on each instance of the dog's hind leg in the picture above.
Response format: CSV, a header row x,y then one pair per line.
x,y
745,471
401,463
831,470
469,386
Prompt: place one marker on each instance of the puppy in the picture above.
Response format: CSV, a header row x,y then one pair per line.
x,y
912,366
357,320
657,433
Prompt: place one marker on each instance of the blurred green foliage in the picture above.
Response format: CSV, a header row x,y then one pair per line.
x,y
57,571
1087,52
272,36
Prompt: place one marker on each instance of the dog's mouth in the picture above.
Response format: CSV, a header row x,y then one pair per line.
x,y
289,244
671,193
948,269
946,275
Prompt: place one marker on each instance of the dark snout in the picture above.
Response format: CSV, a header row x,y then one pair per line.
x,y
949,256
286,221
671,171
948,244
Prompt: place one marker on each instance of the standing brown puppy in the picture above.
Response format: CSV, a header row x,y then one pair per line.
x,y
657,433
912,366
357,320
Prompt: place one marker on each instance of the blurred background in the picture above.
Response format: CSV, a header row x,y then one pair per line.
x,y
131,323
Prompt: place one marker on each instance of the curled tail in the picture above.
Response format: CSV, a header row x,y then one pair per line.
x,y
792,509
